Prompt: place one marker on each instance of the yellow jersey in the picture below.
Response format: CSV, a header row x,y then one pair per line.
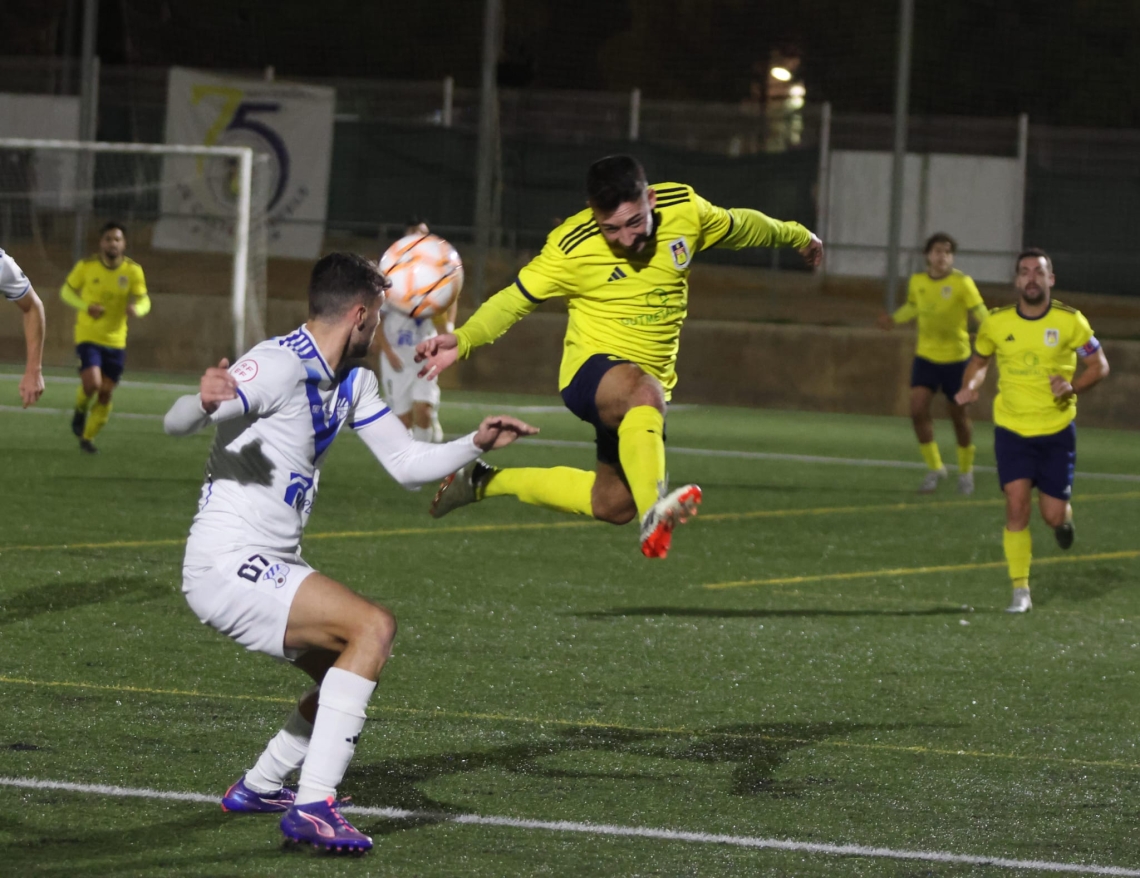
x,y
941,307
631,306
93,283
1029,351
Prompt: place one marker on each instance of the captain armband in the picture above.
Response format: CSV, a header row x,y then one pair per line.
x,y
1089,348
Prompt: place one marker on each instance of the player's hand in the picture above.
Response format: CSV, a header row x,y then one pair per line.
x,y
437,354
131,309
813,252
95,311
217,385
31,387
885,322
966,395
1061,388
394,360
498,431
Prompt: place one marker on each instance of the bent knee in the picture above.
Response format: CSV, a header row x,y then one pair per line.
x,y
378,626
613,513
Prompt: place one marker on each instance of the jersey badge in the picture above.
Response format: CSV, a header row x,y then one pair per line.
x,y
947,291
680,251
123,282
618,274
244,370
1052,337
278,574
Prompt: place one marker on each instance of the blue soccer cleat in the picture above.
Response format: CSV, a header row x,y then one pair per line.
x,y
321,824
243,800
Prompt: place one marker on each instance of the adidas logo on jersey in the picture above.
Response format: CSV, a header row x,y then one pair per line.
x,y
1010,337
618,274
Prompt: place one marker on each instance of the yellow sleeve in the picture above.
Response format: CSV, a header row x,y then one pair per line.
x,y
909,309
139,293
984,343
1082,332
970,293
76,279
72,298
494,317
741,227
980,313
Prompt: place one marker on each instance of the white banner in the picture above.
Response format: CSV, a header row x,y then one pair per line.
x,y
291,124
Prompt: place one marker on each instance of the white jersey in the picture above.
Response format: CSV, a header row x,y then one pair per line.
x,y
264,465
404,333
14,284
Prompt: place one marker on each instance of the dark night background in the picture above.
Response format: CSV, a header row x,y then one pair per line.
x,y
1065,62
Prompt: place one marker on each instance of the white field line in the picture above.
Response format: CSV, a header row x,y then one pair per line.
x,y
743,841
672,449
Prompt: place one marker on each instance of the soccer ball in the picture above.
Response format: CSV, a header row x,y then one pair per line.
x,y
426,275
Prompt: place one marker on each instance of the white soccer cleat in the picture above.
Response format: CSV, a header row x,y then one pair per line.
x,y
672,509
966,483
930,481
1021,603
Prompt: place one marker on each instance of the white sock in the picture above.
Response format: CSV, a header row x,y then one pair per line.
x,y
436,429
340,717
285,753
421,434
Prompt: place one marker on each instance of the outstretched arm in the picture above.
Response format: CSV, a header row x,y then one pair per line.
x,y
973,379
494,317
32,384
217,400
413,463
740,227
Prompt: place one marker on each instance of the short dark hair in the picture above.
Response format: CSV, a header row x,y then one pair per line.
x,y
340,280
113,224
1036,253
416,220
940,238
614,180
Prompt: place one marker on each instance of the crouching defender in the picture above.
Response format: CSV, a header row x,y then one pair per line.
x,y
277,411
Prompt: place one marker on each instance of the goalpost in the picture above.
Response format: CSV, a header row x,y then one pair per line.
x,y
187,209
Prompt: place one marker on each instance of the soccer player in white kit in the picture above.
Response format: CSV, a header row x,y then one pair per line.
x,y
277,411
414,400
17,289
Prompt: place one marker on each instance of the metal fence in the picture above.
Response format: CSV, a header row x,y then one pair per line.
x,y
408,147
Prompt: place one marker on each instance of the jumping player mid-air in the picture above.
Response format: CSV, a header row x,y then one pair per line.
x,y
277,411
623,266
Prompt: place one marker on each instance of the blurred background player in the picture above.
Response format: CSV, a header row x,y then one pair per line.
x,y
16,288
105,289
414,399
277,413
942,299
623,263
1037,343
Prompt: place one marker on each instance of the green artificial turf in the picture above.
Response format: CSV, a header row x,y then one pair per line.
x,y
544,670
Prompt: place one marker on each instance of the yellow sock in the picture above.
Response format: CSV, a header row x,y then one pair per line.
x,y
1018,545
966,458
82,400
641,449
930,454
96,420
561,487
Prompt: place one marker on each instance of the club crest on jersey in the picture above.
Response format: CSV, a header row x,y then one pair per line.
x,y
123,282
947,291
1052,337
680,251
245,370
278,574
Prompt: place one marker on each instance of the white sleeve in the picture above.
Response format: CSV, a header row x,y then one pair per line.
x,y
368,406
187,416
14,284
266,378
409,462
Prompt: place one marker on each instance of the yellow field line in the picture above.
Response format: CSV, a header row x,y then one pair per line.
x,y
584,724
558,525
914,571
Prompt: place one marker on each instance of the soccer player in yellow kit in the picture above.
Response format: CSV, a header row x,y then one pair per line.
x,y
623,266
1037,343
105,289
942,299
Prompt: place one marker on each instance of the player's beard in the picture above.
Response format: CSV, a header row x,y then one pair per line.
x,y
1033,294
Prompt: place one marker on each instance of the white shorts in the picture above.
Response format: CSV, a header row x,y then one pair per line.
x,y
246,596
402,389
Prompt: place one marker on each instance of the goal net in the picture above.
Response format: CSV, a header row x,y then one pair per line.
x,y
196,219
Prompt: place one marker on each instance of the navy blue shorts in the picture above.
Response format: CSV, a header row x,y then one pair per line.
x,y
580,396
1047,461
946,377
110,360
